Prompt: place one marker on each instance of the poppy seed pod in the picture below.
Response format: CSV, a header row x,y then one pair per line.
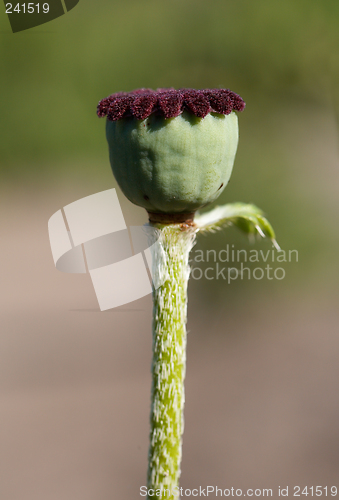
x,y
172,152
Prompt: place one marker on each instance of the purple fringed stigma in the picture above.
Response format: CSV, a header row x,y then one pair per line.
x,y
169,103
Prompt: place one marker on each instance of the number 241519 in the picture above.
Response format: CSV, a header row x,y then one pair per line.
x,y
30,8
317,491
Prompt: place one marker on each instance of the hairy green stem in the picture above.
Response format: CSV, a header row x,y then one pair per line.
x,y
170,265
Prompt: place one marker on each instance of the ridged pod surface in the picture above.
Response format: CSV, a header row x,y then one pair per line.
x,y
176,164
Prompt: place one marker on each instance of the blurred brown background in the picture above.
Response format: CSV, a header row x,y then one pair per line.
x,y
262,402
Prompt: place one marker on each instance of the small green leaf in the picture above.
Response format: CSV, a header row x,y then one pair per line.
x,y
246,217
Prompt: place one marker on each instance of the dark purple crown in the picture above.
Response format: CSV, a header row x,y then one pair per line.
x,y
169,103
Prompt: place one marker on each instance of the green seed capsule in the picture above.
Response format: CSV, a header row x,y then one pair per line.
x,y
173,165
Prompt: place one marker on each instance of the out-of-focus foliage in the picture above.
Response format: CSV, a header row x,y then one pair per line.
x,y
52,76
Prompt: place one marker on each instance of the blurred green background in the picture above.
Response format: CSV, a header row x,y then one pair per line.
x,y
262,378
279,56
